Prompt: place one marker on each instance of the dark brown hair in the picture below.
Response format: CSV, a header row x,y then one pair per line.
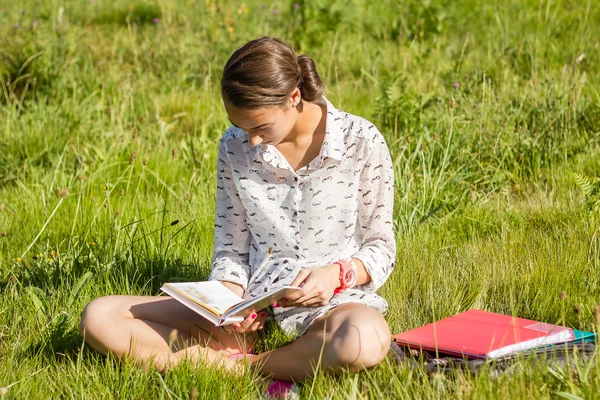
x,y
265,71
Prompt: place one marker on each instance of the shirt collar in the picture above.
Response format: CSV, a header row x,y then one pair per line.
x,y
333,142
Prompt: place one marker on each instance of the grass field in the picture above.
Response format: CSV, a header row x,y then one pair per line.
x,y
110,118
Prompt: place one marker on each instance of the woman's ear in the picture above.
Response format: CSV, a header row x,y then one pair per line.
x,y
295,97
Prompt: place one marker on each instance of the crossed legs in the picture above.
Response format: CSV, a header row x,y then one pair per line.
x,y
165,332
159,330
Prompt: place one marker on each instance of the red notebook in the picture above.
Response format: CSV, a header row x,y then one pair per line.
x,y
482,334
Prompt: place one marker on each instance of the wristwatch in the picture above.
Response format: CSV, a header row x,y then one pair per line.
x,y
347,276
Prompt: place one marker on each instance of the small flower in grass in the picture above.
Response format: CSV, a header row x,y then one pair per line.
x,y
117,214
122,192
562,296
275,12
106,194
132,158
188,196
65,192
296,6
105,205
92,243
156,21
263,6
174,153
57,193
18,259
134,134
456,85
80,178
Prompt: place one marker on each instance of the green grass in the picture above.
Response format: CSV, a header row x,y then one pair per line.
x,y
497,201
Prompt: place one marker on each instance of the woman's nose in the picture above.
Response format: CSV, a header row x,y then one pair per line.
x,y
255,140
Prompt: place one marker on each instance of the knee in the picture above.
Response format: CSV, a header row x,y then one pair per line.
x,y
96,316
361,345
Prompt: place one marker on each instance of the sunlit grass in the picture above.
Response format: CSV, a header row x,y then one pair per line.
x,y
110,118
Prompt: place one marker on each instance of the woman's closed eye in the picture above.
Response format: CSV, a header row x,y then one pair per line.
x,y
263,129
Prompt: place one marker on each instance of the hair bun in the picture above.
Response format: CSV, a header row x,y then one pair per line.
x,y
310,84
265,71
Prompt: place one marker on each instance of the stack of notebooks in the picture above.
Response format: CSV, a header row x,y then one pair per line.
x,y
477,334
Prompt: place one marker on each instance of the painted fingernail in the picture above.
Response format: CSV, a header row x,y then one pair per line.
x,y
285,300
275,305
253,316
263,314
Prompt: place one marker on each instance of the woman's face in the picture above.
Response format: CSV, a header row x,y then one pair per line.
x,y
269,125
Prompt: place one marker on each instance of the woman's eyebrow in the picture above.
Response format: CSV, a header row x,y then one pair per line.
x,y
256,127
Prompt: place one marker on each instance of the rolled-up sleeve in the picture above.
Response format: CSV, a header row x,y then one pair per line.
x,y
375,210
230,259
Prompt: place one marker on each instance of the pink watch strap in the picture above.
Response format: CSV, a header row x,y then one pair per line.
x,y
345,267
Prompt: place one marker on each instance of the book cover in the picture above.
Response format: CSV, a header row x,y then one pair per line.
x,y
584,336
482,334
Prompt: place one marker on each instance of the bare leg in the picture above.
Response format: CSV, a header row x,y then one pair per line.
x,y
350,337
159,329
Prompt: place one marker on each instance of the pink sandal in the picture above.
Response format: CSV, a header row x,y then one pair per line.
x,y
282,390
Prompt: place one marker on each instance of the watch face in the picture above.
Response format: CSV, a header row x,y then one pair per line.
x,y
349,278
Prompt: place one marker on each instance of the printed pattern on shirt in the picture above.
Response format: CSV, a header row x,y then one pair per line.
x,y
337,207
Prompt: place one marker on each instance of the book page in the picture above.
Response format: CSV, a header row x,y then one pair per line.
x,y
261,302
210,294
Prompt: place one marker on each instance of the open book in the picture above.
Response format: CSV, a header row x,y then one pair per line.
x,y
221,306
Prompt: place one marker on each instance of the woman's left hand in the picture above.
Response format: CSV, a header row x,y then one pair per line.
x,y
318,285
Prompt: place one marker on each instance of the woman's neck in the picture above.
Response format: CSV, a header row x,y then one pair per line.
x,y
310,122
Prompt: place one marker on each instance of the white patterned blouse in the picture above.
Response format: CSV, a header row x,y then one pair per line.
x,y
338,206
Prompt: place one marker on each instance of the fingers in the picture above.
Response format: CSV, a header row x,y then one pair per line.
x,y
245,324
311,295
253,322
301,295
314,299
301,277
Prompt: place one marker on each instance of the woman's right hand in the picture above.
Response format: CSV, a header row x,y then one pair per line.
x,y
253,322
